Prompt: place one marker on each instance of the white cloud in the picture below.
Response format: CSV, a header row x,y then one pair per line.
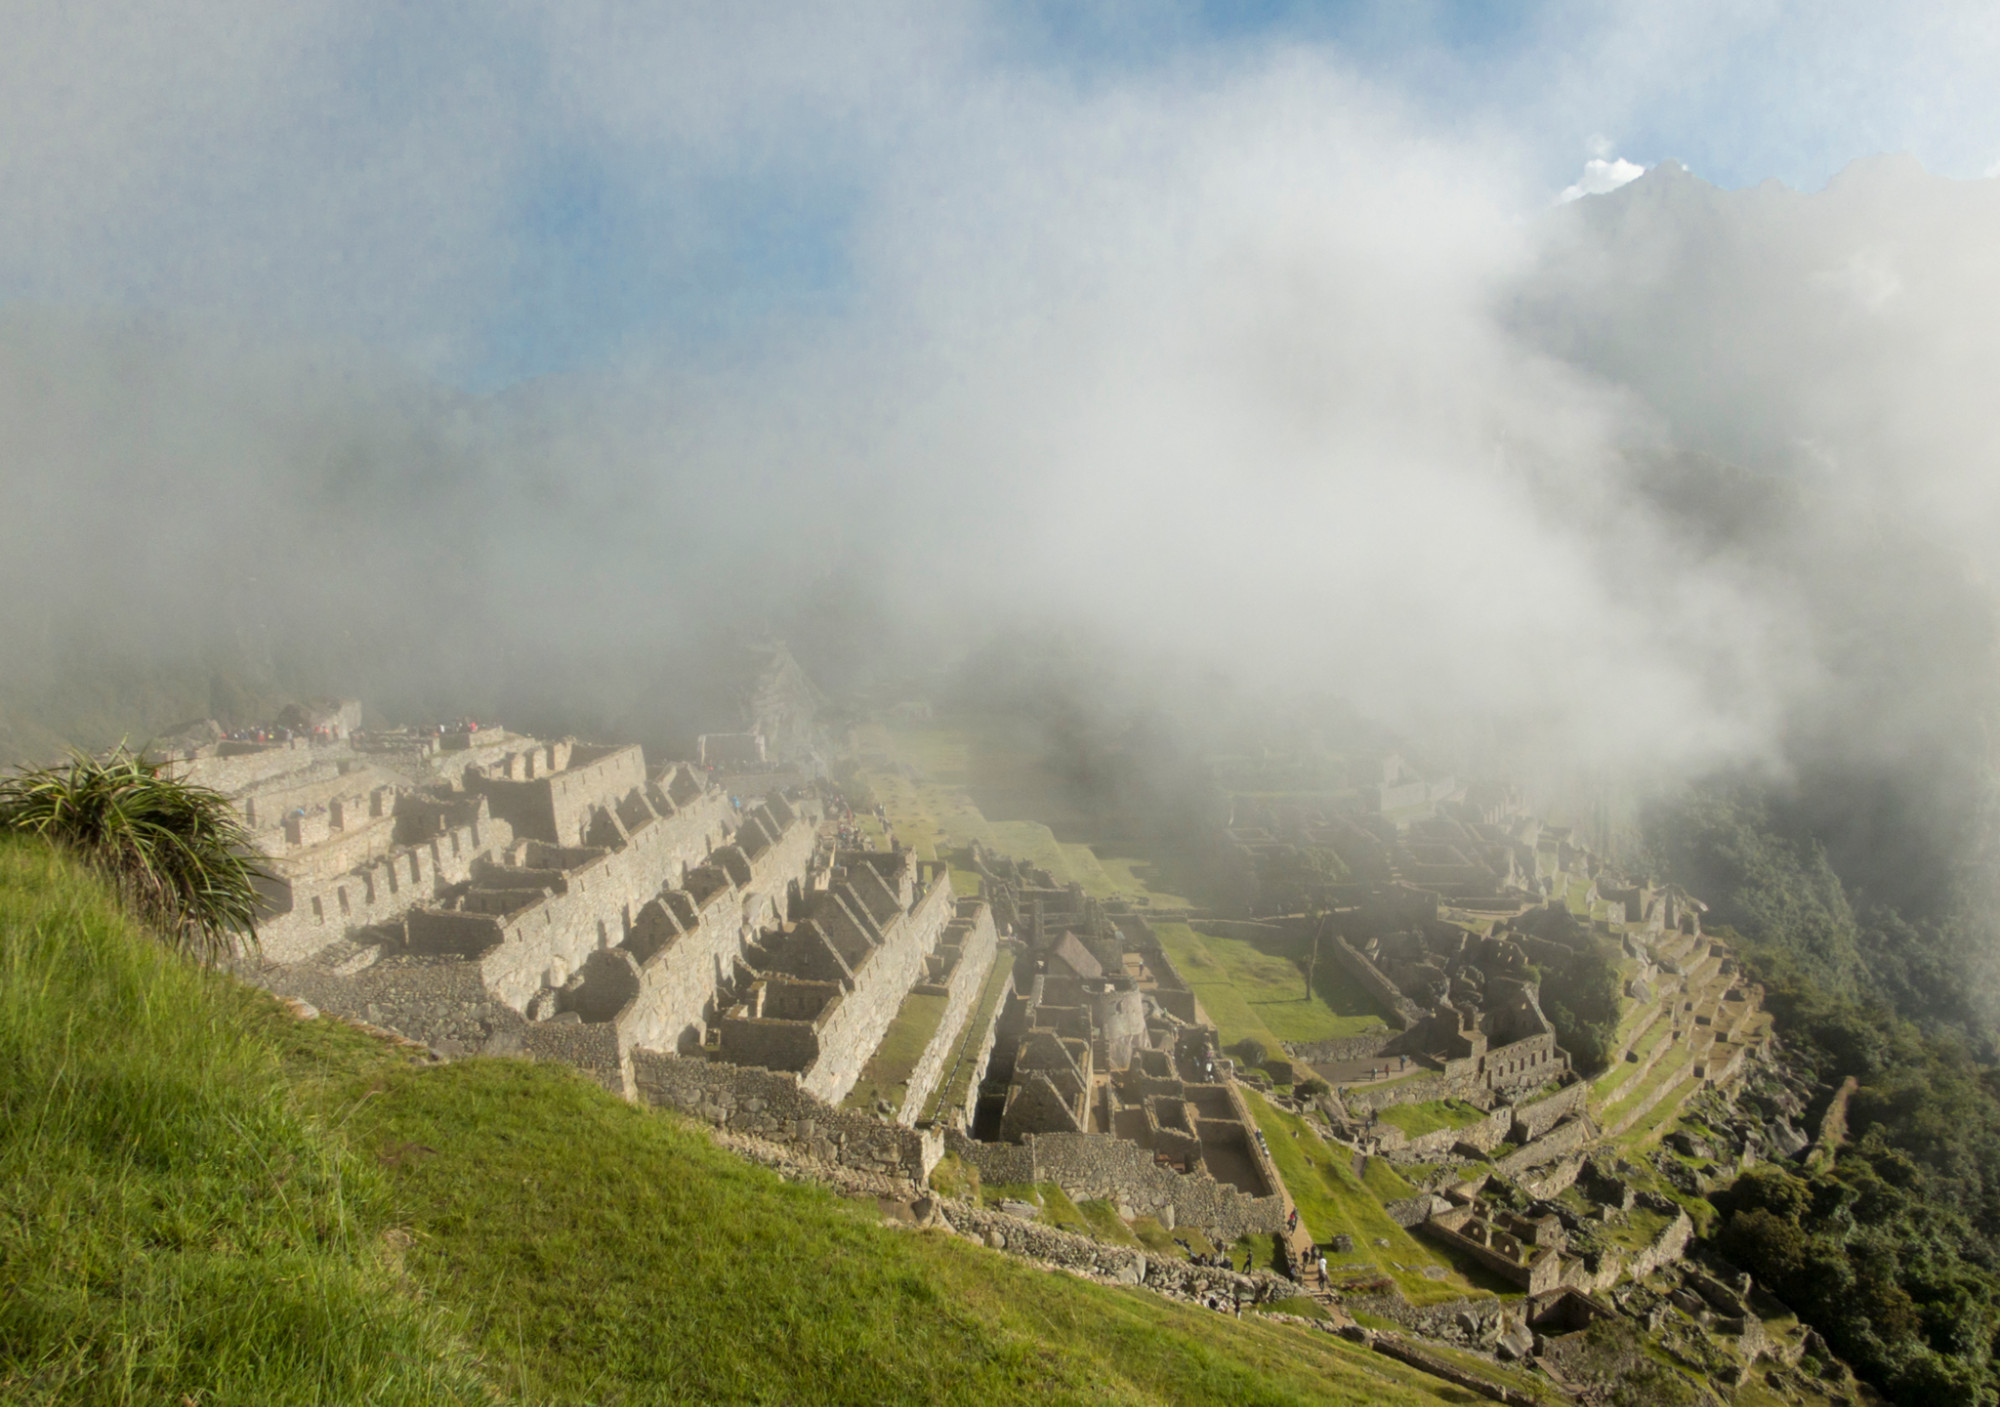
x,y
1601,177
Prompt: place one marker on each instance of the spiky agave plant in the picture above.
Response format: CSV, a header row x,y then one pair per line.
x,y
174,850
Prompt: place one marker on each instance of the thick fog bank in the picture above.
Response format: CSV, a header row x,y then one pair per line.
x,y
1246,375
1295,399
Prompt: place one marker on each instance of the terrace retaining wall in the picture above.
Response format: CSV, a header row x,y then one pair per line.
x,y
1097,1166
980,943
773,1105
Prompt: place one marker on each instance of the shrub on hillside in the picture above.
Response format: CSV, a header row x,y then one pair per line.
x,y
175,852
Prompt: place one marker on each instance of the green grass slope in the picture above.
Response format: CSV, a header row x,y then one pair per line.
x,y
202,1198
173,1226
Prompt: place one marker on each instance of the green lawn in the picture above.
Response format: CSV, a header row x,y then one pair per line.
x,y
1331,1202
887,1073
1416,1120
205,1200
1249,992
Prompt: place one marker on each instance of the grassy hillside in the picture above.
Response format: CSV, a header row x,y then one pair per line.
x,y
173,1224
203,1199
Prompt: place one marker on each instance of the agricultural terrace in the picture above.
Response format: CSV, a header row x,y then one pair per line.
x,y
1416,1120
1333,1202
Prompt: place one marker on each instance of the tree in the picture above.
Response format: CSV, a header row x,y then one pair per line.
x,y
1772,1247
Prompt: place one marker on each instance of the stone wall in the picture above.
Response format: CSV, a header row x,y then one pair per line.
x,y
1389,1346
1171,991
1556,1180
324,911
1531,1121
1665,1090
460,981
1667,1246
959,1116
680,962
1565,1138
603,898
1467,1083
593,1048
264,806
1415,1211
774,1106
1343,1048
313,847
1486,1135
1385,992
235,773
1167,1274
1526,1063
1005,1163
1422,1090
1097,1166
977,946
1476,1319
1541,1271
850,1033
438,1000
558,808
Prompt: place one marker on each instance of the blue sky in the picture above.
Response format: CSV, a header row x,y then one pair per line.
x,y
501,193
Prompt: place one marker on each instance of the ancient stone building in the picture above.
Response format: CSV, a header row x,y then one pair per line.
x,y
819,998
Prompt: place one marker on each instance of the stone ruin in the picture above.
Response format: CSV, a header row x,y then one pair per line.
x,y
1101,1068
483,892
1445,931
